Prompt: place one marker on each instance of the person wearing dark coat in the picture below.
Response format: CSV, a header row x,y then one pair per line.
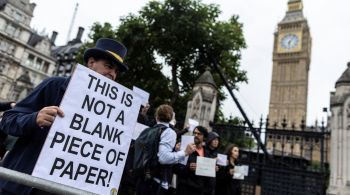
x,y
225,184
212,145
31,118
188,182
6,105
143,117
3,136
128,180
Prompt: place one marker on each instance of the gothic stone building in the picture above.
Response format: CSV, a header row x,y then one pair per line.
x,y
202,105
66,55
340,136
25,56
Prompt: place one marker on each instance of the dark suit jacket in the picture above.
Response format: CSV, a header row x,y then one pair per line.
x,y
21,122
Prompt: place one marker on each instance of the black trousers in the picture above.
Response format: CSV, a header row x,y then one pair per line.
x,y
150,187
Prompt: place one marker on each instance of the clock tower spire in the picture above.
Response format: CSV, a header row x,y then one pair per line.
x,y
295,5
290,71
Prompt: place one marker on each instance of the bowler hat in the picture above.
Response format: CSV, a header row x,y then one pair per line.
x,y
108,49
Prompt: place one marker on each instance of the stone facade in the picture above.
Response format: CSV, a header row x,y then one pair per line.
x,y
25,56
202,105
66,55
290,73
340,136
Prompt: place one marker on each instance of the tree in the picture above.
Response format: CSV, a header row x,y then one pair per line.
x,y
181,31
184,33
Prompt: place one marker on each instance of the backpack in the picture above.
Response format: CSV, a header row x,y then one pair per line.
x,y
146,151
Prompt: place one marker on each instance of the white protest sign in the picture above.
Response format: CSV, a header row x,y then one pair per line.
x,y
222,160
143,94
185,140
206,166
184,161
193,124
240,172
239,176
87,148
138,129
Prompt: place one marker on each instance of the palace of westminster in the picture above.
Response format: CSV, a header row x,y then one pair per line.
x,y
26,58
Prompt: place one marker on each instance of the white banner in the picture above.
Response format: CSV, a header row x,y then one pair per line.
x,y
87,148
192,124
222,159
185,140
240,172
138,130
206,166
144,95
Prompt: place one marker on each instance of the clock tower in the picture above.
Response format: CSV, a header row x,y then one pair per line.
x,y
291,64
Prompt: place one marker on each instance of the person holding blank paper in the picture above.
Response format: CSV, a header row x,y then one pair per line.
x,y
225,184
161,178
31,118
188,182
212,145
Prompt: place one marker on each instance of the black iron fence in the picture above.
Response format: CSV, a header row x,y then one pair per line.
x,y
296,161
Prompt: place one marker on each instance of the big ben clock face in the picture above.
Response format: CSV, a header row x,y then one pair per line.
x,y
289,42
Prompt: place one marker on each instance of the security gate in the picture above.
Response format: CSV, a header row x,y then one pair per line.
x,y
296,161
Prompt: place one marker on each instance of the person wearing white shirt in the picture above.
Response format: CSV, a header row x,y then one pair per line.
x,y
167,156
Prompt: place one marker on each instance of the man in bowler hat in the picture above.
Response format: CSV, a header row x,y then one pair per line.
x,y
31,118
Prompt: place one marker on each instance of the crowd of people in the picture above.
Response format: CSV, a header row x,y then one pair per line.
x,y
31,118
177,178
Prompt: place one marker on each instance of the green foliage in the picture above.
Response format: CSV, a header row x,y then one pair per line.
x,y
232,136
177,31
240,140
228,121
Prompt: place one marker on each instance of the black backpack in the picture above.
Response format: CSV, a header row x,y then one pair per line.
x,y
146,150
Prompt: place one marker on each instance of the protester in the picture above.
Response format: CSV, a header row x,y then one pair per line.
x,y
3,136
225,184
188,182
179,133
7,105
143,117
31,118
127,183
160,182
212,145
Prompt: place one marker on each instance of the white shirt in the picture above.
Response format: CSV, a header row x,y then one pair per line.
x,y
166,154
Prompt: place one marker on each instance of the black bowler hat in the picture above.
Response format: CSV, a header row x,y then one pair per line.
x,y
108,49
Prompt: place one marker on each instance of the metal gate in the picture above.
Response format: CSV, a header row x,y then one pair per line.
x,y
296,161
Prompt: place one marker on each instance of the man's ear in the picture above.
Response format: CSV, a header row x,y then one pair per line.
x,y
90,61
